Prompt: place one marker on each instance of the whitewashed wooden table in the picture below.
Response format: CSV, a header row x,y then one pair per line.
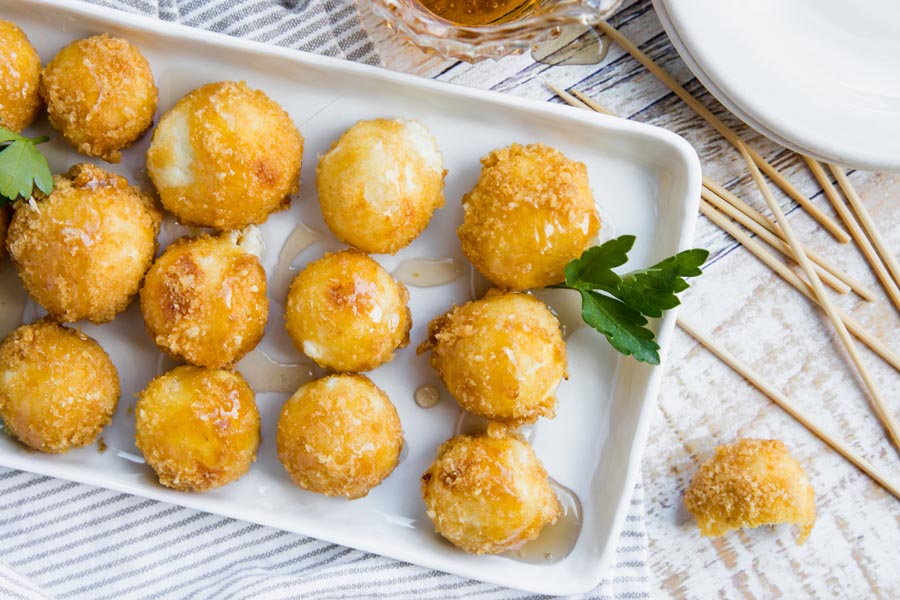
x,y
854,550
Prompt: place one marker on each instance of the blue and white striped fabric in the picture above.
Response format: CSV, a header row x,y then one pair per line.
x,y
60,539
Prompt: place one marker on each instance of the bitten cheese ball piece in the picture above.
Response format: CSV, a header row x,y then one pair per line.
x,y
225,156
347,313
380,183
501,357
750,483
82,251
339,436
530,213
204,300
488,494
100,95
20,78
198,428
58,388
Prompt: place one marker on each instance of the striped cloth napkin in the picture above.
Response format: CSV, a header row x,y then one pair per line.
x,y
60,539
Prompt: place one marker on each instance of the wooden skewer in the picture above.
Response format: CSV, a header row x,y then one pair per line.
x,y
789,407
874,344
803,287
889,285
882,411
771,234
770,238
580,100
868,224
729,134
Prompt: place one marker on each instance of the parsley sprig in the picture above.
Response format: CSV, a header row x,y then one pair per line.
x,y
22,167
618,306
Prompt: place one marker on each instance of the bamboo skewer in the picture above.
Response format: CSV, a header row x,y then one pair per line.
x,y
865,246
789,407
771,239
729,134
771,234
868,224
882,411
803,287
580,100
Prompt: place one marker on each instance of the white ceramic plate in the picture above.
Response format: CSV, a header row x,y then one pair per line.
x,y
818,76
647,182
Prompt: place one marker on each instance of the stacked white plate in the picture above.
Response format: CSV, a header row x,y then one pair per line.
x,y
819,76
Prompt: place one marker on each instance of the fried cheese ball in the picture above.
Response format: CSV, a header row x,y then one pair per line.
x,y
198,428
100,95
380,183
488,494
339,436
225,156
530,213
750,483
501,357
347,313
82,251
58,388
204,300
20,78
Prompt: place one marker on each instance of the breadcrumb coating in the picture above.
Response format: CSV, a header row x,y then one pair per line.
x,y
225,156
501,357
380,183
198,428
488,494
82,251
204,300
530,213
100,95
58,388
347,313
750,483
339,436
20,78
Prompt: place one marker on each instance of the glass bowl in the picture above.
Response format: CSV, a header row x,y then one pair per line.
x,y
513,32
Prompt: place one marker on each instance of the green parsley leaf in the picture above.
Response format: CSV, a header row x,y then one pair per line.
x,y
22,167
622,325
652,290
594,269
618,306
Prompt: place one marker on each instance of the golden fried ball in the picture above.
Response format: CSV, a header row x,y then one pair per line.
x,y
20,78
339,436
58,388
204,300
380,183
100,95
750,483
488,494
501,357
225,156
198,428
530,213
82,251
347,313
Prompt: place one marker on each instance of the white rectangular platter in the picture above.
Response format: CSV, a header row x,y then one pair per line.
x,y
646,182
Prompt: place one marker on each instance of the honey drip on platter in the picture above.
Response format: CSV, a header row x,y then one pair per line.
x,y
264,374
479,12
300,239
428,272
426,396
558,540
